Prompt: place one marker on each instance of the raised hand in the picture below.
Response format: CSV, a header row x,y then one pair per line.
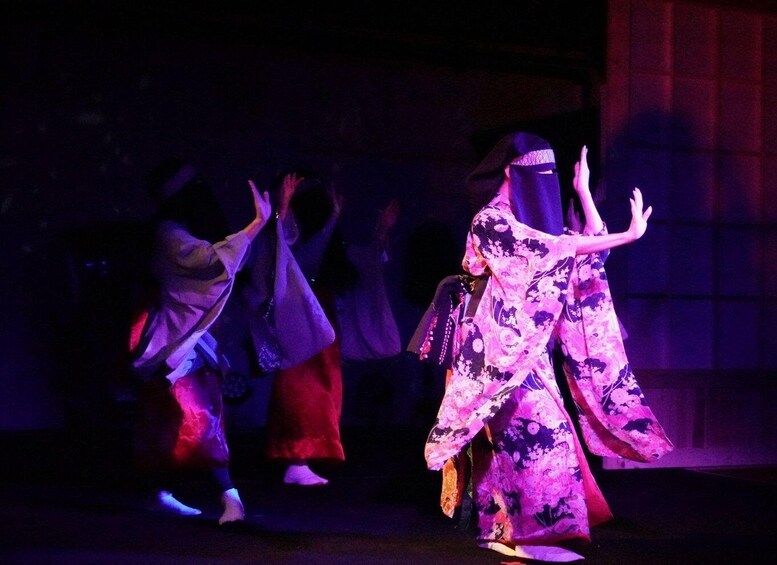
x,y
639,217
582,173
288,187
388,216
262,204
587,243
386,219
591,222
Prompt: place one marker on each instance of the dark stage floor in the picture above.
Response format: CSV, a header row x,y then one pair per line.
x,y
67,501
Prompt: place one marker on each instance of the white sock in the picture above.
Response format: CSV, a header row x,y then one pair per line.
x,y
303,475
233,507
546,553
498,547
164,501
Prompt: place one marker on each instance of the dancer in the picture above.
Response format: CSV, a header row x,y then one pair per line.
x,y
369,335
530,289
176,356
303,419
366,324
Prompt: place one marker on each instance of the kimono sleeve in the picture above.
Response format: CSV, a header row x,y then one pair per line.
x,y
199,258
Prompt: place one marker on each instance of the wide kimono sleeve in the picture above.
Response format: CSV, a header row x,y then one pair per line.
x,y
496,348
196,279
279,294
614,415
366,321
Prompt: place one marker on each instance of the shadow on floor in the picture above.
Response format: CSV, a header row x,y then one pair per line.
x,y
69,500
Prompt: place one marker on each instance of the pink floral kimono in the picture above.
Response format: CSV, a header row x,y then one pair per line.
x,y
530,480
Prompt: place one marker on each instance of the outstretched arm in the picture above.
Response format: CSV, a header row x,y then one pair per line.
x,y
591,244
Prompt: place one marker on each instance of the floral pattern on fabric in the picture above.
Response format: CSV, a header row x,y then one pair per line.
x,y
615,417
531,481
527,481
496,348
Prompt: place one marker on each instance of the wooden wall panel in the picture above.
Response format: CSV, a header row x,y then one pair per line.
x,y
700,293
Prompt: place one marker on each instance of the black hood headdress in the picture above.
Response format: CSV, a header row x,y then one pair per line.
x,y
535,195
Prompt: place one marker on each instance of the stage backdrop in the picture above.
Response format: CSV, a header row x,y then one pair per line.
x,y
688,117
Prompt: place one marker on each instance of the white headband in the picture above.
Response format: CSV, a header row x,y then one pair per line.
x,y
538,157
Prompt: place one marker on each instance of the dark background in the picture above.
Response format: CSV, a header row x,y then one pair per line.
x,y
388,100
396,99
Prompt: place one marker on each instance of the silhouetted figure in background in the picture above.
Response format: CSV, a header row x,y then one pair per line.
x,y
305,404
176,356
368,332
